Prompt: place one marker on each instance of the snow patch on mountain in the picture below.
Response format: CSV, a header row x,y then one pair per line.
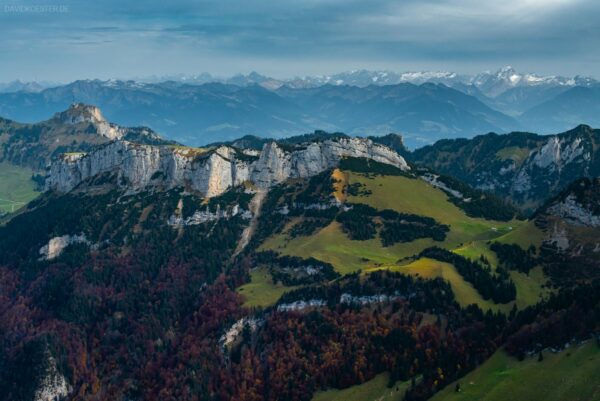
x,y
495,83
491,83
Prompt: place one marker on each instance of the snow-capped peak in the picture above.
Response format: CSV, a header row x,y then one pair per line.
x,y
490,83
494,83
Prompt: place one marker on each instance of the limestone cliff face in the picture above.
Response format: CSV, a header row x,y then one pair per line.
x,y
275,165
209,172
556,158
140,166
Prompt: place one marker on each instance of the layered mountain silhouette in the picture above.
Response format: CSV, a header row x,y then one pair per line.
x,y
422,106
198,114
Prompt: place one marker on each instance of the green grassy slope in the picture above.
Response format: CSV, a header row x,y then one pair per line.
x,y
16,187
474,249
514,153
374,390
403,195
464,292
529,287
468,236
261,291
347,256
418,197
571,375
524,235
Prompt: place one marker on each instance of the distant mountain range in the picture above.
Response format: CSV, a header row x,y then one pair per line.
x,y
489,83
197,114
20,86
422,106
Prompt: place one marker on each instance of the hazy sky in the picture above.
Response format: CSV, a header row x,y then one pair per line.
x,y
63,40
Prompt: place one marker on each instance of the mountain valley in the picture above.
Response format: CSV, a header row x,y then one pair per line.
x,y
300,200
293,268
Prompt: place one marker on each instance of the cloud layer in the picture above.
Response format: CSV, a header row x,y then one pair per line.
x,y
68,39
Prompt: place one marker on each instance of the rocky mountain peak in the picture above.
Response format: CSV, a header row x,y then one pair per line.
x,y
80,113
495,83
580,130
80,128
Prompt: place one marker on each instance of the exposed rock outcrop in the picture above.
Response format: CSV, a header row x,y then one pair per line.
x,y
232,334
578,205
551,161
574,212
433,179
213,171
301,305
345,298
254,213
53,385
205,216
56,245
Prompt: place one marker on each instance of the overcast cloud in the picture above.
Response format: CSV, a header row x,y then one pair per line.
x,y
64,40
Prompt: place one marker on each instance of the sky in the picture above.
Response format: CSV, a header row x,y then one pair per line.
x,y
64,40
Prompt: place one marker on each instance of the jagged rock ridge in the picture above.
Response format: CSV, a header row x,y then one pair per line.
x,y
525,168
210,172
